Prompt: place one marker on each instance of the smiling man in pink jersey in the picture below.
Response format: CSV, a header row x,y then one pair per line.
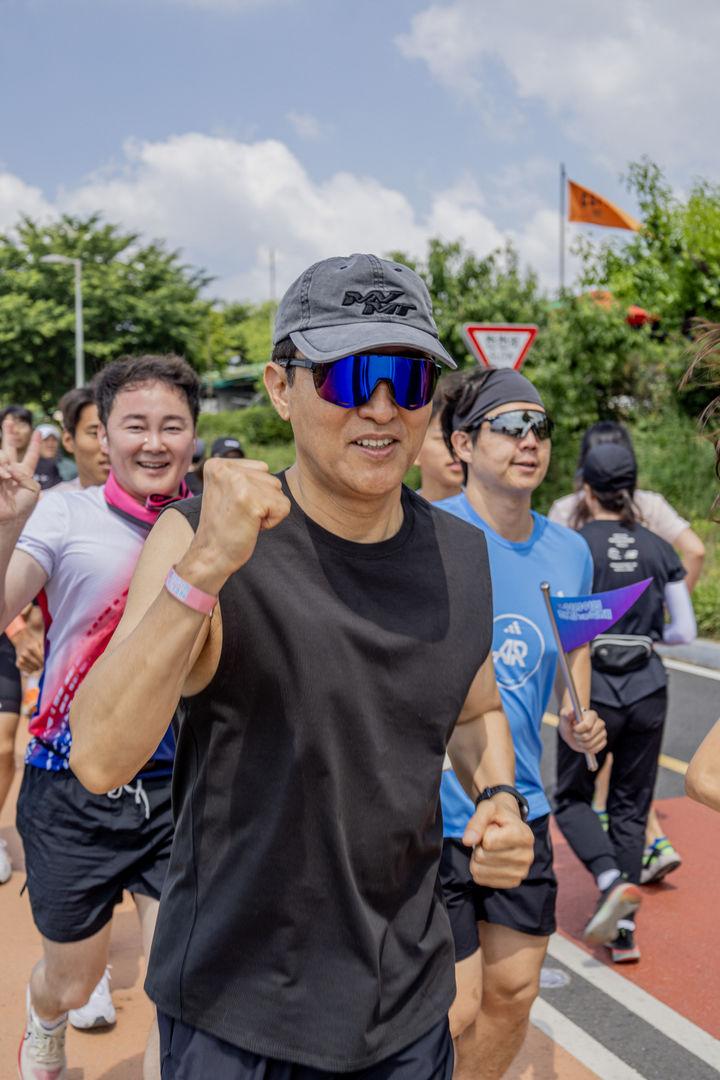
x,y
77,550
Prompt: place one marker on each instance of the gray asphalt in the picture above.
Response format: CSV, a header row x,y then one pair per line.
x,y
693,708
637,1043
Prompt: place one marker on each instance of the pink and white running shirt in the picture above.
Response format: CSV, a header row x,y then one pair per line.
x,y
89,553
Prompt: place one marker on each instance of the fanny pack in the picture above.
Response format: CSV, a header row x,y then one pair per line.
x,y
616,654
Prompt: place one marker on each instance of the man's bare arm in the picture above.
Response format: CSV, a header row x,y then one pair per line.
x,y
158,651
124,706
692,553
481,749
702,780
482,753
586,733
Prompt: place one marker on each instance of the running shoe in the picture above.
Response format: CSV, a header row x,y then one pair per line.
x,y
5,864
623,949
659,859
99,1010
42,1051
619,901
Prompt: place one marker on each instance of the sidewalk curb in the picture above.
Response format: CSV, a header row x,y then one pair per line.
x,y
702,651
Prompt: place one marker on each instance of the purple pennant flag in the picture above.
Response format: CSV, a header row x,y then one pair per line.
x,y
581,618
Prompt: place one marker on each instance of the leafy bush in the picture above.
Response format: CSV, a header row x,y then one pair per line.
x,y
258,424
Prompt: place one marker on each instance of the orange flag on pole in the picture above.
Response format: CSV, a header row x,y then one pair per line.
x,y
585,205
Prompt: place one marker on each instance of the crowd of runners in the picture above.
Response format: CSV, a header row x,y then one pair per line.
x,y
298,717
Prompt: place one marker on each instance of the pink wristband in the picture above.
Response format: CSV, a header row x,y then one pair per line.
x,y
187,594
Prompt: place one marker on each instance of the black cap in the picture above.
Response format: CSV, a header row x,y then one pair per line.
x,y
226,445
610,467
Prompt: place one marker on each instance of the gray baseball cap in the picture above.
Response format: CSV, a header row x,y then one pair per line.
x,y
355,304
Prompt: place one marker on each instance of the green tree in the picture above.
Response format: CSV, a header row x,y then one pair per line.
x,y
137,296
671,266
587,362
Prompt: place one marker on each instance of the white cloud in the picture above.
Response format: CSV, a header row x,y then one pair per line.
x,y
538,244
17,198
621,79
227,204
305,125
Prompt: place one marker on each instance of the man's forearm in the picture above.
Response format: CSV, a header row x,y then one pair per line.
x,y
693,563
10,533
124,706
581,671
482,754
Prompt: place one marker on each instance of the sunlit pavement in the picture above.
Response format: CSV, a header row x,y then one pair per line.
x,y
656,1020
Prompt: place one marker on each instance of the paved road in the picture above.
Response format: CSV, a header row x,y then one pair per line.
x,y
657,1020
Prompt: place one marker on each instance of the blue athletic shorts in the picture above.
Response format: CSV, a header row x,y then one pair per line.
x,y
82,850
529,908
189,1054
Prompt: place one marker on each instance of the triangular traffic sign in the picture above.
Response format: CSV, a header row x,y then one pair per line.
x,y
499,345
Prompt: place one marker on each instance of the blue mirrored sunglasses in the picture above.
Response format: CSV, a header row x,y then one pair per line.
x,y
518,423
351,380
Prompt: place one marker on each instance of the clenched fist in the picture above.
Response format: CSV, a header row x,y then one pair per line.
x,y
240,498
502,842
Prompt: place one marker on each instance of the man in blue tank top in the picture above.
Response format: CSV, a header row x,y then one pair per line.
x,y
495,422
327,641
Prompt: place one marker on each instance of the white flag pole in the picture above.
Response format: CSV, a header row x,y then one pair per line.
x,y
567,673
563,189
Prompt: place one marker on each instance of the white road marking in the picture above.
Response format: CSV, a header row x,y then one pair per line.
x,y
597,1058
691,669
668,1022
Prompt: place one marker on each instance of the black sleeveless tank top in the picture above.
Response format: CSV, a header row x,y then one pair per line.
x,y
301,917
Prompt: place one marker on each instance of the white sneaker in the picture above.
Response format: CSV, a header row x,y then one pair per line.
x,y
5,864
42,1052
99,1010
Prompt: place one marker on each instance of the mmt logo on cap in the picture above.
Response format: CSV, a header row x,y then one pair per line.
x,y
518,648
378,302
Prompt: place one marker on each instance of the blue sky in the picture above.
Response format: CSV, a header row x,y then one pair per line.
x,y
230,128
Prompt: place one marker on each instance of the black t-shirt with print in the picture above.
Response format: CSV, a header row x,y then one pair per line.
x,y
301,917
623,556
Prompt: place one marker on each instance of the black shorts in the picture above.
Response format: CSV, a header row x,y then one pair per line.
x,y
529,908
82,850
10,684
188,1054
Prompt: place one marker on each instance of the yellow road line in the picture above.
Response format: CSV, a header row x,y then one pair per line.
x,y
667,762
673,763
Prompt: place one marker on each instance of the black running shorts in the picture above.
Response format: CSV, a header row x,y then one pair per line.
x,y
10,684
82,850
188,1054
529,908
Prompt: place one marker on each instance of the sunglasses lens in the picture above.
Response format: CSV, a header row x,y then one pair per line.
x,y
350,381
518,424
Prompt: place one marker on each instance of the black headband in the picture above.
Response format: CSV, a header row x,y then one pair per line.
x,y
502,386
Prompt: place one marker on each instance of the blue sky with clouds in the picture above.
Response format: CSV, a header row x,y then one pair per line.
x,y
231,128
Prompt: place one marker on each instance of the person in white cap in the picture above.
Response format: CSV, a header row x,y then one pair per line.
x,y
329,639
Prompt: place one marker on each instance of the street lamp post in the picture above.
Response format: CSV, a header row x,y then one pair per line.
x,y
79,341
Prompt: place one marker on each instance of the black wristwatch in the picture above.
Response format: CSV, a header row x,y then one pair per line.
x,y
521,800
